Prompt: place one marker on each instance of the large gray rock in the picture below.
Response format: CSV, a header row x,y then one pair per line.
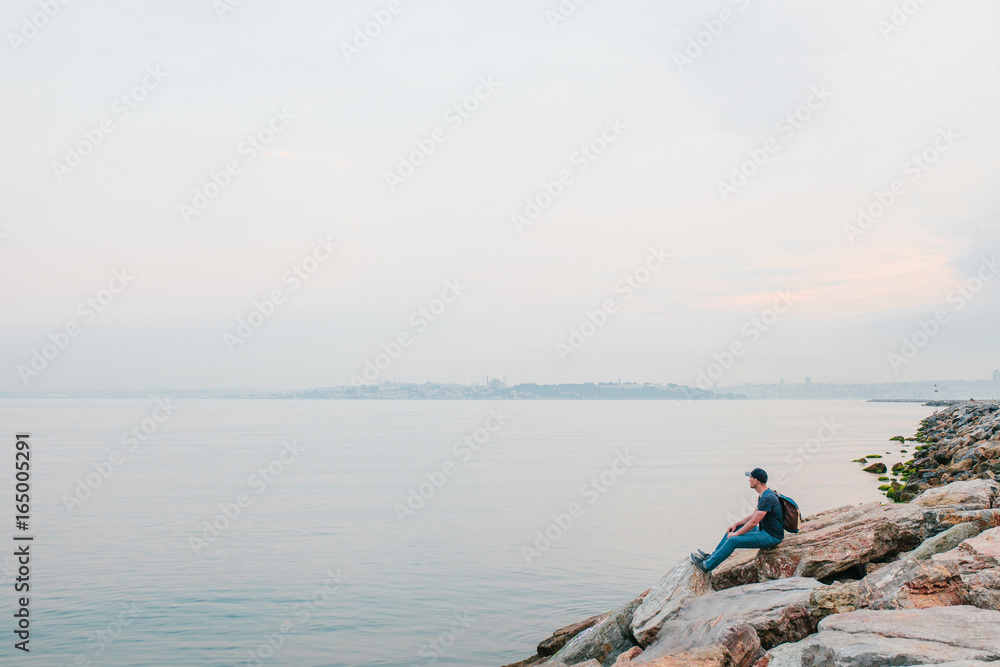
x,y
973,494
777,611
946,541
684,582
868,638
562,636
787,655
603,642
983,589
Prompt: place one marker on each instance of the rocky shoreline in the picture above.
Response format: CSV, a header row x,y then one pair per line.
x,y
914,582
955,444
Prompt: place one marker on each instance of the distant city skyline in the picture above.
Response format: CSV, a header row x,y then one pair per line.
x,y
497,388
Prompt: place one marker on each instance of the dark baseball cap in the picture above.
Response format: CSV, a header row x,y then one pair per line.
x,y
758,474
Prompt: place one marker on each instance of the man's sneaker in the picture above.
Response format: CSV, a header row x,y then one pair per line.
x,y
698,563
702,554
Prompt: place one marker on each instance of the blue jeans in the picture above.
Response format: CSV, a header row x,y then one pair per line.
x,y
754,538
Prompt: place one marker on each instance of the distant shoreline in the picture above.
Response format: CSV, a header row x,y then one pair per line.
x,y
944,392
265,397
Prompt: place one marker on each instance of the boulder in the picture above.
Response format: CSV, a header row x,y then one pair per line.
x,y
603,642
776,611
973,493
787,655
912,584
867,638
940,519
838,598
737,570
681,584
877,468
832,543
736,642
627,657
977,560
562,635
529,662
966,575
983,589
946,541
976,553
712,656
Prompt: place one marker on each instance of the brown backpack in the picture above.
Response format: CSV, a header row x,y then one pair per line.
x,y
789,513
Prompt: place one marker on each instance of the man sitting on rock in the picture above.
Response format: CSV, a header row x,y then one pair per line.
x,y
760,530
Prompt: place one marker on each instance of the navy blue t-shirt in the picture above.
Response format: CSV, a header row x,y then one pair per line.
x,y
771,523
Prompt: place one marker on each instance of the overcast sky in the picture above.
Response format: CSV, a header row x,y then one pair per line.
x,y
331,120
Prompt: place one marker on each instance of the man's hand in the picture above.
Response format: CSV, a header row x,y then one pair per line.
x,y
743,528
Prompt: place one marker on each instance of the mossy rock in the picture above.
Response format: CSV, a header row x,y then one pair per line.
x,y
874,456
878,468
859,461
903,451
883,479
898,437
884,487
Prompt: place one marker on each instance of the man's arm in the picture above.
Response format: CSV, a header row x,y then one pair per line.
x,y
739,523
750,522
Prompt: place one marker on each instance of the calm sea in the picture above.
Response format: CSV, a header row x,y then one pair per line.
x,y
387,533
